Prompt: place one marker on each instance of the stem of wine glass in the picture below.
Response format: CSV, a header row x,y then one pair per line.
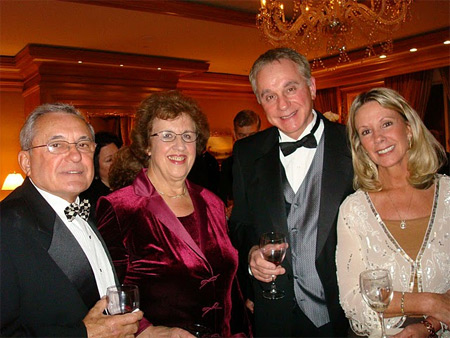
x,y
273,287
383,331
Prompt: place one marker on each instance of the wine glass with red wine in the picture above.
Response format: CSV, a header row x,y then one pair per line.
x,y
273,247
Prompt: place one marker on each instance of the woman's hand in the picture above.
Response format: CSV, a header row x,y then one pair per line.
x,y
164,332
440,308
261,269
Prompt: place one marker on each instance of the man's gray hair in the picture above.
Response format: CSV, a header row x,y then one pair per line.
x,y
28,132
277,54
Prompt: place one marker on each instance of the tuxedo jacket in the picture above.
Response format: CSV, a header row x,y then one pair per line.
x,y
259,207
226,180
47,284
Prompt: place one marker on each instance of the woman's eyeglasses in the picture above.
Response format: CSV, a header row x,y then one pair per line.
x,y
170,136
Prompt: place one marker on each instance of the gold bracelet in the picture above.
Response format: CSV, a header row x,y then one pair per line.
x,y
430,329
402,304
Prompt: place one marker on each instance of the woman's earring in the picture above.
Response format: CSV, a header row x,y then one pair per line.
x,y
409,142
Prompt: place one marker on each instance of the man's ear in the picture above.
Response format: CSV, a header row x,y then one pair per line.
x,y
25,162
312,88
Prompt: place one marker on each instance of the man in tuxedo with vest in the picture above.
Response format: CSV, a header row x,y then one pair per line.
x,y
291,178
54,264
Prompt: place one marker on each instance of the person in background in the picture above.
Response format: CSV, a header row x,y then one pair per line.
x,y
398,219
107,146
278,186
245,123
55,266
168,235
205,171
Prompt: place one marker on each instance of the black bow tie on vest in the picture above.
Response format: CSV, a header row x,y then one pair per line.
x,y
308,141
73,209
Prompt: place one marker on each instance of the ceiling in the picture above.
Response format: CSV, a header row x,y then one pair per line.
x,y
221,32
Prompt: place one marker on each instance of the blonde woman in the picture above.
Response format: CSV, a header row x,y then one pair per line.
x,y
398,219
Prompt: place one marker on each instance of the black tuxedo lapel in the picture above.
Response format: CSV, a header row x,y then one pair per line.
x,y
61,245
67,253
268,180
269,183
336,173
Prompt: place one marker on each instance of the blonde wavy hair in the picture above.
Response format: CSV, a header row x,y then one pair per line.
x,y
169,105
425,155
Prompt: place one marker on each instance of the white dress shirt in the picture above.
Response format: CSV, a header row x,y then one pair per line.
x,y
297,164
88,240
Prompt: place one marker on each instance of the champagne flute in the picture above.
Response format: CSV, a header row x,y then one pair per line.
x,y
273,247
376,289
122,299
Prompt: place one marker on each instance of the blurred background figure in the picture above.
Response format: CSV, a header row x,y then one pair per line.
x,y
245,123
168,235
107,146
205,171
398,219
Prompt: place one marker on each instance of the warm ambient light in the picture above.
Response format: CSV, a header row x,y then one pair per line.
x,y
447,42
12,181
383,56
412,50
80,61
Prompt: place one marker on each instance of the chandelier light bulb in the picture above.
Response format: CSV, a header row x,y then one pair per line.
x,y
324,28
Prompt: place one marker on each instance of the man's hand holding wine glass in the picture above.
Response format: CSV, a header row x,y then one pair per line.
x,y
261,269
100,325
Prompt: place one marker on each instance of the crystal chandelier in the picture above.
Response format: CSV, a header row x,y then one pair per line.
x,y
324,28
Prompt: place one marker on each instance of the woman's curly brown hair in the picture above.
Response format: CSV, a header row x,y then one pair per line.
x,y
168,105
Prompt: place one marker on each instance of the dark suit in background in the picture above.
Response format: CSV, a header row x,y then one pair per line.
x,y
226,180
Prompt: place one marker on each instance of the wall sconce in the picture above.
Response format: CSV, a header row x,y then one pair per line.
x,y
12,181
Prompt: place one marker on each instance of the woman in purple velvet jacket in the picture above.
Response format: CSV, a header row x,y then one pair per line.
x,y
166,234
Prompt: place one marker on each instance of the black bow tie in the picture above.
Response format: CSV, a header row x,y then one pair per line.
x,y
308,141
73,209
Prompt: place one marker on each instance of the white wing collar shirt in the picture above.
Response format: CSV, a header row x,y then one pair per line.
x,y
88,240
296,165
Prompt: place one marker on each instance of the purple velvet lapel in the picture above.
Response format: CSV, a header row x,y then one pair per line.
x,y
156,205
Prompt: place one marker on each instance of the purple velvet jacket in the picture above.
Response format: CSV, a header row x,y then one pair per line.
x,y
181,283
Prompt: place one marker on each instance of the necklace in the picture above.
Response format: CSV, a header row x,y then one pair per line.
x,y
402,220
173,196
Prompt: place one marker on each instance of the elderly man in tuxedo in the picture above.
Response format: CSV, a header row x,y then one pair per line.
x,y
291,178
54,264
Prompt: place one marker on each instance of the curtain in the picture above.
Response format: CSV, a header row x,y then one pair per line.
x,y
414,87
445,74
126,124
326,100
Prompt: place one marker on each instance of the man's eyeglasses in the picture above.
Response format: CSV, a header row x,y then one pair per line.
x,y
62,147
170,136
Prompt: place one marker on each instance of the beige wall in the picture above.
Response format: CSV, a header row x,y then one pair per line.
x,y
221,112
12,118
